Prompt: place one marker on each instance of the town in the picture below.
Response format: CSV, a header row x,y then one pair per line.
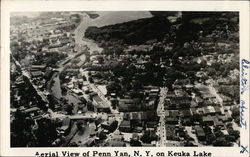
x,y
124,79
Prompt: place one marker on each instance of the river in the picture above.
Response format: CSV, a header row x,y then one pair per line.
x,y
105,18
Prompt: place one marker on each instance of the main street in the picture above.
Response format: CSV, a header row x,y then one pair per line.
x,y
161,130
26,74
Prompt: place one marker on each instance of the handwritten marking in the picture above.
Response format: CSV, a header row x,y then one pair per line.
x,y
244,79
244,149
243,122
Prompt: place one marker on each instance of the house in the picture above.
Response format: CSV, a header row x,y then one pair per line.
x,y
225,132
206,111
194,111
199,100
227,101
218,122
180,93
129,105
99,105
207,96
170,132
108,125
171,120
223,81
125,126
208,120
186,113
180,102
170,94
36,74
229,116
38,67
200,133
140,119
200,111
72,72
152,124
223,118
168,105
217,110
172,113
138,129
209,110
153,95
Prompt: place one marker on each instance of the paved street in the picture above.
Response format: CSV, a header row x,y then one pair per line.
x,y
161,132
26,74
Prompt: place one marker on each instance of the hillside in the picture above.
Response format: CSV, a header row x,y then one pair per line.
x,y
133,32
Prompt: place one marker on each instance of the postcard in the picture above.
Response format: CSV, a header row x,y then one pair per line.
x,y
125,78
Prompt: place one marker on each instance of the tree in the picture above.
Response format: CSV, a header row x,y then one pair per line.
x,y
90,106
113,126
148,137
135,143
69,109
79,125
211,72
221,141
46,133
73,144
234,133
210,138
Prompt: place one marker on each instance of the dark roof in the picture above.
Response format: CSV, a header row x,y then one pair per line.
x,y
170,94
172,113
180,100
170,130
135,116
111,63
129,105
151,124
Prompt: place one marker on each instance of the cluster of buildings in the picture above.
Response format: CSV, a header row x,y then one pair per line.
x,y
196,107
195,113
